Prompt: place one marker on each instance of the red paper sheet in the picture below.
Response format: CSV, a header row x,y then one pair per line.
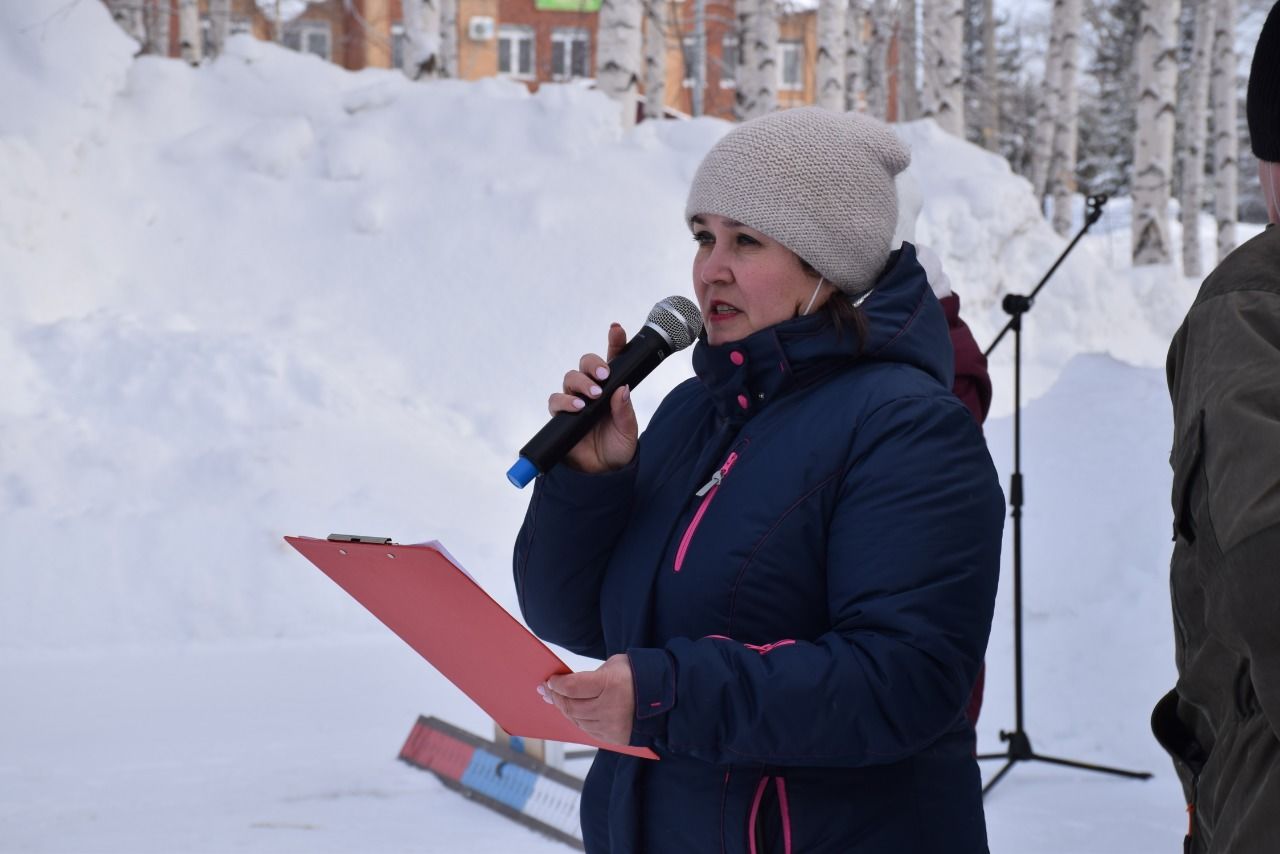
x,y
442,613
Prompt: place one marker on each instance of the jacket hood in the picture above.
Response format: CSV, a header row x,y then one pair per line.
x,y
905,324
905,321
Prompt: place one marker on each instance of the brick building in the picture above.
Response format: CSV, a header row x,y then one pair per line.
x,y
534,41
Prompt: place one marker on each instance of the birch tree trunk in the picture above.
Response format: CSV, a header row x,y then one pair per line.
x,y
421,38
157,27
1225,142
190,38
1194,132
759,91
1157,61
1062,170
908,61
655,58
878,59
832,15
219,25
1051,96
990,79
767,55
448,38
699,59
855,55
944,64
744,97
620,55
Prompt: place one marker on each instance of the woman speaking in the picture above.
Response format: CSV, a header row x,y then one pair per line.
x,y
791,573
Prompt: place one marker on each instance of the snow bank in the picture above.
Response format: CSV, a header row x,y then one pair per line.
x,y
267,296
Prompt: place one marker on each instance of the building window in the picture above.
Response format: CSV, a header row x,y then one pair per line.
x,y
729,62
515,52
235,27
309,37
689,59
790,74
397,46
569,50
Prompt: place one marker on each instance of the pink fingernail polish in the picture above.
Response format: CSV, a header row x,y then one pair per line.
x,y
579,403
602,373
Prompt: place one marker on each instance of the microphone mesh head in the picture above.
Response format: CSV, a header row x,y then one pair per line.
x,y
678,319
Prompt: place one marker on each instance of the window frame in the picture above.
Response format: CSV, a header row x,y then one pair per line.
x,y
515,34
688,44
303,31
398,42
785,47
729,81
568,36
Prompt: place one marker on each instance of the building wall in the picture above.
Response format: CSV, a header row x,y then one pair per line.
x,y
477,59
717,99
803,28
364,38
523,13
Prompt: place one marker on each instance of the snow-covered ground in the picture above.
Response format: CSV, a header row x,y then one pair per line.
x,y
269,297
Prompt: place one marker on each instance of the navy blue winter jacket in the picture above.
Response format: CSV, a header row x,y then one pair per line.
x,y
801,564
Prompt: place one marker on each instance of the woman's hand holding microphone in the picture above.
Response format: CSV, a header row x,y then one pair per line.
x,y
611,444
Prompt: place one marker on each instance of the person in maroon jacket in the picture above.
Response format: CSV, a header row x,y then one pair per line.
x,y
972,383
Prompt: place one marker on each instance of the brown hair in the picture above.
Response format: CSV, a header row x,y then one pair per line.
x,y
842,312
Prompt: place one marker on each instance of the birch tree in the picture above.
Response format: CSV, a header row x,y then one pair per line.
x,y
767,37
1062,169
190,37
448,38
1225,108
990,112
1051,96
878,59
855,55
908,61
422,38
744,97
219,25
1195,95
943,64
695,66
156,20
832,15
619,54
655,58
1157,61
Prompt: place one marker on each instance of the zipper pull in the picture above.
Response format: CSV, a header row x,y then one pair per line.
x,y
718,476
711,484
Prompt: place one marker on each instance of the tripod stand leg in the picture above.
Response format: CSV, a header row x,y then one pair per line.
x,y
999,774
1104,769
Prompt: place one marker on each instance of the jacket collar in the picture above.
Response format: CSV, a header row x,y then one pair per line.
x,y
905,323
743,377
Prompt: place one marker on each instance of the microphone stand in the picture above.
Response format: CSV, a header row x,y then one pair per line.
x,y
1020,749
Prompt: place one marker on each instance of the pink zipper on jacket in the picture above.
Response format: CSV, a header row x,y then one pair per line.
x,y
707,492
784,811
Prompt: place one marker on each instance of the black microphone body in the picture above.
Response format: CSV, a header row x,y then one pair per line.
x,y
644,352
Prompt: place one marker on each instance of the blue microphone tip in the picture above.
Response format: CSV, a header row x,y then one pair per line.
x,y
521,473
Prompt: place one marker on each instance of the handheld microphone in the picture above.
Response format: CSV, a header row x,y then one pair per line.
x,y
672,325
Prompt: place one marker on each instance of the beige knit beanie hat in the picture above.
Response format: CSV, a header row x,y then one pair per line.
x,y
819,182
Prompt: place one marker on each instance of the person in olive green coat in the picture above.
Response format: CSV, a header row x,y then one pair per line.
x,y
1221,723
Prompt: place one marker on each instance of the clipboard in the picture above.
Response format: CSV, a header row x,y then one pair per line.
x,y
426,598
